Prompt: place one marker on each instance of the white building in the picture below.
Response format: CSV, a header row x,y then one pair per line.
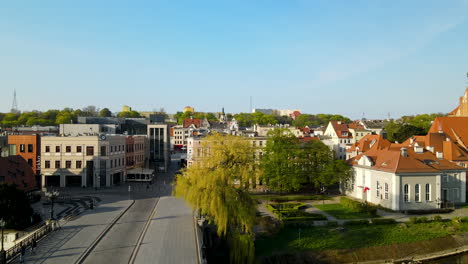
x,y
407,179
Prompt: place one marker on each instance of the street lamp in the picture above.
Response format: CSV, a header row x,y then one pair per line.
x,y
2,252
52,196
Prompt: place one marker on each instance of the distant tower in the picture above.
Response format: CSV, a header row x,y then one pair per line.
x,y
14,106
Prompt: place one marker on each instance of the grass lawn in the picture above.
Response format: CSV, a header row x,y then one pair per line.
x,y
341,212
290,197
321,238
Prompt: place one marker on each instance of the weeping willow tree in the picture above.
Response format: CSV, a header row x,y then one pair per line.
x,y
217,184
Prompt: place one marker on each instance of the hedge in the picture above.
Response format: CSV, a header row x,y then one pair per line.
x,y
383,221
358,206
357,222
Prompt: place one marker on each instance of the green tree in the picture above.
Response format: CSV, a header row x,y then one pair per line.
x,y
218,185
90,110
288,164
14,207
105,112
129,114
282,169
64,117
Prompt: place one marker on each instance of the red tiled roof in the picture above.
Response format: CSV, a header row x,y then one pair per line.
x,y
307,139
368,142
341,129
391,160
189,121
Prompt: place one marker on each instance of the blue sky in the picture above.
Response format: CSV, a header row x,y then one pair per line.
x,y
346,57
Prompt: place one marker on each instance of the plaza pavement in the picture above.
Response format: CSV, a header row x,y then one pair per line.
x,y
66,244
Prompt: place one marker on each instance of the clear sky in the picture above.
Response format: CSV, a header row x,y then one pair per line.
x,y
348,57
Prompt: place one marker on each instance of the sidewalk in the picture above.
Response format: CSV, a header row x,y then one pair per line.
x,y
66,244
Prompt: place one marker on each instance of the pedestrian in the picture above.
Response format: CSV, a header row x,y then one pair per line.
x,y
23,252
33,246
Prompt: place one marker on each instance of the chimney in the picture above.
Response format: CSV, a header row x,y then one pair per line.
x,y
440,155
411,140
404,152
430,148
447,139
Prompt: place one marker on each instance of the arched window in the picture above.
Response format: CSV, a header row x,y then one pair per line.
x,y
417,193
406,193
428,192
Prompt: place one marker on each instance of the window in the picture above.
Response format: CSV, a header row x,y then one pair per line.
x,y
47,148
89,151
21,147
417,193
30,148
78,149
406,193
57,148
68,149
444,178
103,150
78,164
378,189
47,164
68,164
428,192
57,164
112,163
456,194
386,191
30,162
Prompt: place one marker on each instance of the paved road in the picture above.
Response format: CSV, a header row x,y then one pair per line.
x,y
118,244
170,238
68,243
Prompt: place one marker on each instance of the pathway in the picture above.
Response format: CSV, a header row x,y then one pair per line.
x,y
68,243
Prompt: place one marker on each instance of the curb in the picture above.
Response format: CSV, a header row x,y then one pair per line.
x,y
103,233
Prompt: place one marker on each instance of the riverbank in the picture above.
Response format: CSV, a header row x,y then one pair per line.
x,y
397,253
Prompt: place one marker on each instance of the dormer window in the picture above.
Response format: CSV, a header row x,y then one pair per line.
x,y
345,134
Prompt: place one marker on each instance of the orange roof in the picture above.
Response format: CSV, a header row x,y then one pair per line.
x,y
456,127
454,111
368,142
189,121
391,160
341,129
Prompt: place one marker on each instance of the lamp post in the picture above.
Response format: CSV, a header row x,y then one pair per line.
x,y
2,252
52,195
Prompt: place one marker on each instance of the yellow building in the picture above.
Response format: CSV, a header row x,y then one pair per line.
x,y
462,109
126,108
189,109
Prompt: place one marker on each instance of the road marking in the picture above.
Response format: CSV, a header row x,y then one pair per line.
x,y
85,254
143,233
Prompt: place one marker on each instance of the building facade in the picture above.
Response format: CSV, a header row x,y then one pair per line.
x,y
159,146
84,161
405,179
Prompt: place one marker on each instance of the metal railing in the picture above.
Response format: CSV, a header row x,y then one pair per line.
x,y
27,240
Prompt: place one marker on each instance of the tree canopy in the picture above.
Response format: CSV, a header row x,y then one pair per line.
x,y
105,112
129,114
317,120
218,185
408,126
288,164
14,207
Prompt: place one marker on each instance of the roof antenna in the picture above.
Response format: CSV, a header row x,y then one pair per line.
x,y
14,106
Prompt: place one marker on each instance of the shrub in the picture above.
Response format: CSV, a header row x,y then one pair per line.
x,y
437,218
358,206
464,219
416,220
332,223
456,220
383,221
357,222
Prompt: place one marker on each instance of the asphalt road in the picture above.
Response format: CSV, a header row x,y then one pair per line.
x,y
118,244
